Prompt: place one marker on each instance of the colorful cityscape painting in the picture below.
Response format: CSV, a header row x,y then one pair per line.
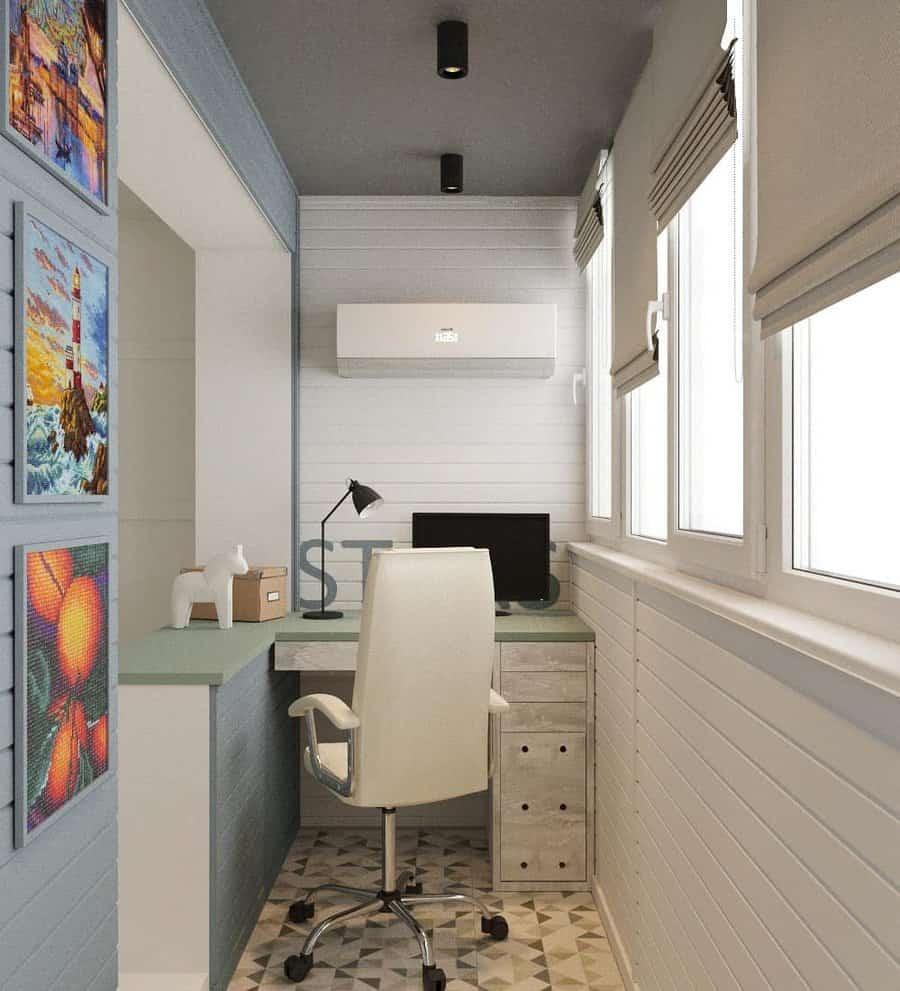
x,y
57,77
64,668
65,399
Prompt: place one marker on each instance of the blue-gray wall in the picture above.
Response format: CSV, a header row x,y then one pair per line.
x,y
58,893
254,803
58,929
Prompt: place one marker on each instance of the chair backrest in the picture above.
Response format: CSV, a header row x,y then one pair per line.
x,y
423,676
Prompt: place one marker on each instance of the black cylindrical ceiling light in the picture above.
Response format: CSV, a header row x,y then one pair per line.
x,y
452,49
451,173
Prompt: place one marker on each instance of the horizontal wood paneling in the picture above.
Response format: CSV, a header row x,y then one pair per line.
x,y
254,802
747,802
57,893
451,445
604,602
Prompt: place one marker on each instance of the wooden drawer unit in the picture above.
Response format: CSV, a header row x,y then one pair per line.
x,y
542,804
543,774
544,656
543,686
552,857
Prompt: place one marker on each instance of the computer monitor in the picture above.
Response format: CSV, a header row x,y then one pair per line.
x,y
519,544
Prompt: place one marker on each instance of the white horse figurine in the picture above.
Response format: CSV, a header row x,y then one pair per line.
x,y
214,584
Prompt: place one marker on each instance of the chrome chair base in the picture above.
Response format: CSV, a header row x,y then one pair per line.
x,y
397,896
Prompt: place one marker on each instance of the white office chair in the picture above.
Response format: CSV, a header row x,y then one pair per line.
x,y
418,728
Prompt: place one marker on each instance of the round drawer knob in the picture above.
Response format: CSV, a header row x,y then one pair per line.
x,y
562,865
524,750
562,807
524,806
563,749
524,865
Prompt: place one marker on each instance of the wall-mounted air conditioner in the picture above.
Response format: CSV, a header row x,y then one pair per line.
x,y
498,340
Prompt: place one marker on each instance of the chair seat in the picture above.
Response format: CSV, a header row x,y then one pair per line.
x,y
333,756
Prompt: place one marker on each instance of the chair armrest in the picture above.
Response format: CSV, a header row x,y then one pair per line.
x,y
335,710
497,703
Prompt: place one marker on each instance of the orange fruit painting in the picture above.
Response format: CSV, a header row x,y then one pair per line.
x,y
49,576
66,693
78,630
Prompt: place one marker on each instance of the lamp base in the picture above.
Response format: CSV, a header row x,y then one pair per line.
x,y
323,614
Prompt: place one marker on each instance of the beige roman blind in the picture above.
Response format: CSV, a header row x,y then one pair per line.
x,y
709,128
828,154
589,221
634,351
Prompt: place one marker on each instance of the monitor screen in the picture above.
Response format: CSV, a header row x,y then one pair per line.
x,y
519,544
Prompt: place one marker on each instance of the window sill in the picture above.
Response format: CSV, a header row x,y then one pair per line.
x,y
872,659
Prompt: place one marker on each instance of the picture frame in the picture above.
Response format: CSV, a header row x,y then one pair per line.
x,y
63,679
38,116
61,418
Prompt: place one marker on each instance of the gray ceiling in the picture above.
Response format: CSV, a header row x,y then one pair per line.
x,y
349,89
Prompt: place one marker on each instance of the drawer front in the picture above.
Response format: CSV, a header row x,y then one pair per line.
x,y
542,774
315,655
552,850
544,717
544,656
543,686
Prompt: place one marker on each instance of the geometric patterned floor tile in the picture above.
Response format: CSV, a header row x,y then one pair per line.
x,y
556,940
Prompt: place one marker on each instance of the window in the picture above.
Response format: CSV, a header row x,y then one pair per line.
x,y
846,466
648,455
709,324
599,285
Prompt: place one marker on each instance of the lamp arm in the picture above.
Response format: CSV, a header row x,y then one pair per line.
x,y
334,509
336,506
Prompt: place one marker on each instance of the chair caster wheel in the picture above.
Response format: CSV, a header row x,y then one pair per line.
x,y
414,889
495,927
434,979
297,967
301,911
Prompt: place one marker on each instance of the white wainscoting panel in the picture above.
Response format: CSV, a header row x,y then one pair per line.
x,y
748,802
605,601
436,445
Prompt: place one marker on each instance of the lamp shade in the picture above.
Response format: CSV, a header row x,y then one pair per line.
x,y
452,49
451,173
365,500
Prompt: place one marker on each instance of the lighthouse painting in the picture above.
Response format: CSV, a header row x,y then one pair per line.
x,y
56,87
63,375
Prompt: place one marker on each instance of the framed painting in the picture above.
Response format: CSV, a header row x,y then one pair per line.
x,y
62,678
62,293
57,89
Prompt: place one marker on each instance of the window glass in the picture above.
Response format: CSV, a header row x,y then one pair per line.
x,y
648,419
846,484
599,273
710,390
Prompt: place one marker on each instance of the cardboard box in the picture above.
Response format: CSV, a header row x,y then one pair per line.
x,y
259,595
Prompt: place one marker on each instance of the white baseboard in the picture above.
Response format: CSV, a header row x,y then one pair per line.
x,y
163,982
623,961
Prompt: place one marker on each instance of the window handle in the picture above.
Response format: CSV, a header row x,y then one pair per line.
x,y
656,308
579,378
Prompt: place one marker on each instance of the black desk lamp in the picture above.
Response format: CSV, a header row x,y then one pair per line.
x,y
365,501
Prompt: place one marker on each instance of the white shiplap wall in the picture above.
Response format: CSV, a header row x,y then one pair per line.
x,y
748,802
436,444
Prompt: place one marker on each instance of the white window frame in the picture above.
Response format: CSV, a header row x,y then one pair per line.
x,y
600,528
650,548
714,554
868,607
761,562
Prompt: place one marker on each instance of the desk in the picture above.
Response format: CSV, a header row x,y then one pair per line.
x,y
209,771
540,804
